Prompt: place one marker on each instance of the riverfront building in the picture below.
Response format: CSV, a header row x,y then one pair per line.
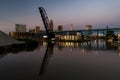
x,y
71,37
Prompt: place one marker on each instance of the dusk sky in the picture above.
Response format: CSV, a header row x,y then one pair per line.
x,y
98,13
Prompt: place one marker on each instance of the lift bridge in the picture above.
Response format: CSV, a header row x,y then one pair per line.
x,y
51,34
45,19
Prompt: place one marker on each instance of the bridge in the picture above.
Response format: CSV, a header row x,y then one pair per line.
x,y
51,34
92,32
46,22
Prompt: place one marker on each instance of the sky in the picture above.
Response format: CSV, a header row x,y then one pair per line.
x,y
98,13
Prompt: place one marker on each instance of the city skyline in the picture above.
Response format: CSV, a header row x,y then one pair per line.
x,y
99,14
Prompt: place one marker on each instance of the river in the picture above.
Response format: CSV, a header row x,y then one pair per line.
x,y
93,60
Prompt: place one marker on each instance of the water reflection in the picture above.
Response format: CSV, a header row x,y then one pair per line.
x,y
63,61
90,45
94,47
16,48
46,58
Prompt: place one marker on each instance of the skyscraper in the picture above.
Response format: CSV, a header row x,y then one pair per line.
x,y
71,27
51,25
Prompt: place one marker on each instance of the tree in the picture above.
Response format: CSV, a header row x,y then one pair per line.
x,y
111,35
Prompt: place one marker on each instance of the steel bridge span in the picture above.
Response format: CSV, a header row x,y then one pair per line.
x,y
94,32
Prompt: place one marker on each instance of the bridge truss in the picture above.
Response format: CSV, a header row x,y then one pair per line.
x,y
45,20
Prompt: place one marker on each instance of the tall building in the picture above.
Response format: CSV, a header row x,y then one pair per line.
x,y
88,28
20,28
60,27
37,29
71,27
51,25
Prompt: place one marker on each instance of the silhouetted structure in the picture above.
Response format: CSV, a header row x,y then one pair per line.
x,y
60,27
46,23
48,54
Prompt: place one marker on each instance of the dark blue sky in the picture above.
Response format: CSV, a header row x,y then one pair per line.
x,y
99,13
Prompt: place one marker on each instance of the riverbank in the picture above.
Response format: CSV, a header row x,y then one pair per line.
x,y
25,45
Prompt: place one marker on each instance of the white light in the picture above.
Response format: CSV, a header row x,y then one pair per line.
x,y
45,36
53,39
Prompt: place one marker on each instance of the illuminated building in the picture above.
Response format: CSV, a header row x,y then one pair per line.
x,y
20,28
72,37
21,35
12,34
88,27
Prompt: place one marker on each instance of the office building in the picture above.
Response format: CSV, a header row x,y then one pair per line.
x,y
20,28
51,25
60,27
88,27
71,27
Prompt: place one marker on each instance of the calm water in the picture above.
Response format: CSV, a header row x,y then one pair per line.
x,y
93,60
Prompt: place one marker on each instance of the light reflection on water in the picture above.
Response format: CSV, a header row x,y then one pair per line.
x,y
95,60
